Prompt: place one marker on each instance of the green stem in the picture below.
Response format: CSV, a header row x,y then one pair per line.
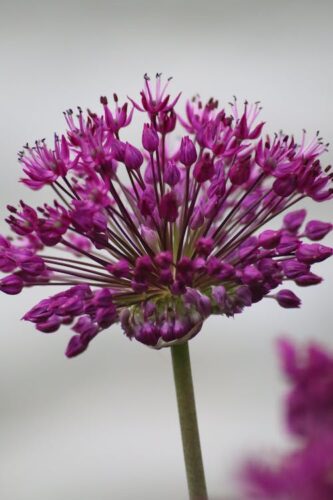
x,y
188,422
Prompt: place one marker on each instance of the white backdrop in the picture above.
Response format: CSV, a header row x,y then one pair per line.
x,y
105,425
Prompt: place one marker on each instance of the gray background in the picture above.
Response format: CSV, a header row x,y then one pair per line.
x,y
104,425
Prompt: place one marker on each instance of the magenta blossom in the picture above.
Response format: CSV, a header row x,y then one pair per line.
x,y
307,472
309,404
161,235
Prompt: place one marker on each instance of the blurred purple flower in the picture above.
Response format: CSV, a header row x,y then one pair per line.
x,y
309,405
306,473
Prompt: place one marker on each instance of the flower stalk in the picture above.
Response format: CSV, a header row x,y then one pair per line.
x,y
188,422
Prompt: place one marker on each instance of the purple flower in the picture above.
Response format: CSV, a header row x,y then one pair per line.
x,y
146,224
287,299
117,120
306,472
313,252
11,284
204,169
133,158
150,138
158,102
316,230
310,401
169,207
187,152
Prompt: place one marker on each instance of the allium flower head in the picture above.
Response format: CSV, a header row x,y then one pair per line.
x,y
160,234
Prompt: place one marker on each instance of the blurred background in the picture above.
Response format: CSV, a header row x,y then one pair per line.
x,y
105,425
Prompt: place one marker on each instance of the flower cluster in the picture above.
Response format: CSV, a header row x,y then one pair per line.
x,y
163,234
306,473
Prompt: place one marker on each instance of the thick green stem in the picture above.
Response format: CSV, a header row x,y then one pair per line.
x,y
188,422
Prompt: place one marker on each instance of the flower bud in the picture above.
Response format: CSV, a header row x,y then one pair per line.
x,y
251,275
169,207
219,294
11,284
133,158
285,186
192,296
308,279
269,239
120,269
178,287
313,252
171,173
33,265
292,268
287,299
199,264
181,327
166,121
240,172
103,298
147,201
204,305
70,307
51,325
143,265
243,296
149,138
7,263
147,334
166,277
75,346
106,316
163,259
288,244
316,230
166,331
187,153
118,150
204,169
293,221
204,246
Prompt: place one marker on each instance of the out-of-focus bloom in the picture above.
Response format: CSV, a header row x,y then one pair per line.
x,y
167,233
309,405
306,473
